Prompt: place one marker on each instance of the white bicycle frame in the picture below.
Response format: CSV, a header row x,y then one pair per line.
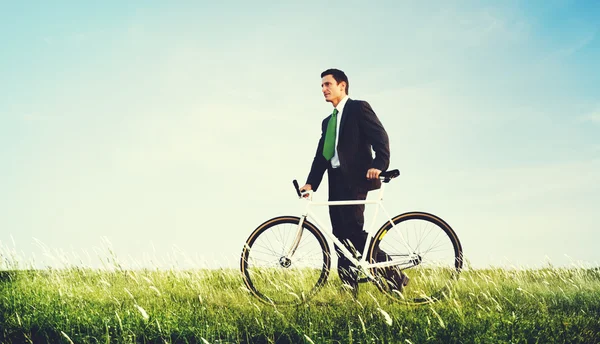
x,y
362,264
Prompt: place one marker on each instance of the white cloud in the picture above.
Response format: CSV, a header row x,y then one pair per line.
x,y
458,27
594,116
33,118
583,38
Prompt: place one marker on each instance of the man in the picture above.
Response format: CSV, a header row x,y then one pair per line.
x,y
344,151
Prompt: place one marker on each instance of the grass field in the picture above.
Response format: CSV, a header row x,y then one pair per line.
x,y
79,305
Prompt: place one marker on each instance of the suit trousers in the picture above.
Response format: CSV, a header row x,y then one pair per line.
x,y
347,222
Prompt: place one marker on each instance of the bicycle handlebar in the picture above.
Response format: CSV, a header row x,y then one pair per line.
x,y
383,176
297,188
388,175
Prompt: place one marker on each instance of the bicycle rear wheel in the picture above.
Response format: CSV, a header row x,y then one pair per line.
x,y
425,249
283,265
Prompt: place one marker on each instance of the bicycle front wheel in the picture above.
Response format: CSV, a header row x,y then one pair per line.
x,y
425,254
283,263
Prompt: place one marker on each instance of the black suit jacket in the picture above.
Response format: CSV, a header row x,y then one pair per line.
x,y
360,129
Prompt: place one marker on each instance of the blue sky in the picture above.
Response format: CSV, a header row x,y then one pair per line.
x,y
171,130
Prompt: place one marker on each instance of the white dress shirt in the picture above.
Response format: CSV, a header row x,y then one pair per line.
x,y
335,160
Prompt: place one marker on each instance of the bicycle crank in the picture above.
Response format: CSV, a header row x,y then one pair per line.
x,y
416,259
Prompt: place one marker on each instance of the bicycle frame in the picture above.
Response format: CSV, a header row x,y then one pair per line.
x,y
362,264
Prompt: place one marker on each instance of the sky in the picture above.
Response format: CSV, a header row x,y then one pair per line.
x,y
160,134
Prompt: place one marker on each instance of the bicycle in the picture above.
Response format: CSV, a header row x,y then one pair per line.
x,y
287,259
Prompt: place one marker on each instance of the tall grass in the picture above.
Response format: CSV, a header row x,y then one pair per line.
x,y
80,305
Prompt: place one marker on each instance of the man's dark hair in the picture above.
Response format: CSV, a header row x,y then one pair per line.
x,y
338,75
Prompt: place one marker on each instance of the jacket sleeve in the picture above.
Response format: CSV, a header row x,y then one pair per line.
x,y
319,164
376,136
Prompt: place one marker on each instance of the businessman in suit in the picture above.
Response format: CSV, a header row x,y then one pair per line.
x,y
344,151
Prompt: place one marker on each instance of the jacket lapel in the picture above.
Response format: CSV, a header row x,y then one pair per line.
x,y
345,114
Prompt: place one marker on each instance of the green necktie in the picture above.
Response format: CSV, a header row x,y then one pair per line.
x,y
329,145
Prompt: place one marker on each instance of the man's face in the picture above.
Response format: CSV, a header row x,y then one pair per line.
x,y
332,91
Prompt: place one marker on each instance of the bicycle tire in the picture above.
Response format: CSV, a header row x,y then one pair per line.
x,y
436,252
273,276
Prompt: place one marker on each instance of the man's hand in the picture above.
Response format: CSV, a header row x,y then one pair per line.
x,y
305,188
373,173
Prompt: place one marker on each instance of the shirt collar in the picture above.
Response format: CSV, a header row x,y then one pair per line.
x,y
341,104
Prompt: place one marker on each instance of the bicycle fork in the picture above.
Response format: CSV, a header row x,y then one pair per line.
x,y
297,239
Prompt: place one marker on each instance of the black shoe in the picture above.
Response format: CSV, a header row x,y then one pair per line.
x,y
351,289
349,280
397,281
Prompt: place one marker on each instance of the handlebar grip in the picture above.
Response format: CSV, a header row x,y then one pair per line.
x,y
297,188
388,175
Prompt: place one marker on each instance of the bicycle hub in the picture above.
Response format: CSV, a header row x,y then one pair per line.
x,y
416,260
285,262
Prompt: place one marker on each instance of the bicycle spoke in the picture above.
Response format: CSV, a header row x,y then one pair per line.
x,y
430,264
276,275
268,249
